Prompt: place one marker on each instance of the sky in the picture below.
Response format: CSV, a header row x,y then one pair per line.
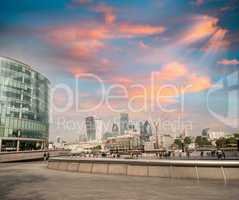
x,y
174,62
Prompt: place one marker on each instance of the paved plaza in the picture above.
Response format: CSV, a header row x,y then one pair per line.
x,y
32,180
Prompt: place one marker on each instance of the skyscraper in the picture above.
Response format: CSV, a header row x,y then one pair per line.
x,y
124,122
90,128
145,130
115,129
94,128
98,129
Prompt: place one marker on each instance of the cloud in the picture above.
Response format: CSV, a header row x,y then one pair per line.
x,y
172,71
108,11
102,67
73,33
88,41
178,74
134,30
198,83
217,41
95,31
85,48
173,80
203,27
228,62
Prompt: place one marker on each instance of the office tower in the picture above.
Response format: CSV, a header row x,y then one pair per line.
x,y
124,123
115,129
24,106
98,129
145,130
94,128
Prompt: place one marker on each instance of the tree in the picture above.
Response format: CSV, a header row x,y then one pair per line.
x,y
187,140
202,141
221,142
178,142
236,135
98,147
231,141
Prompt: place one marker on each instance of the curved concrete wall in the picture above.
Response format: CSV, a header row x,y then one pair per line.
x,y
214,170
29,155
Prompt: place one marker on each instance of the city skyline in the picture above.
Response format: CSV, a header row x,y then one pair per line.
x,y
138,48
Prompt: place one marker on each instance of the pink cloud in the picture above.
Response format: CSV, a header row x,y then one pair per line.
x,y
228,62
217,41
134,30
172,71
98,67
108,11
203,27
170,81
85,48
198,83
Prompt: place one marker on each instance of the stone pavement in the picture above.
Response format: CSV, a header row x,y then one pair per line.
x,y
32,180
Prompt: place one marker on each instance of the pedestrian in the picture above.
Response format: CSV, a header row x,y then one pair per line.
x,y
223,155
201,154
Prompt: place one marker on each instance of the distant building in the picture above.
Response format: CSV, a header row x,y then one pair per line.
x,y
24,107
149,145
98,129
124,123
167,141
145,131
90,128
115,129
82,138
94,128
58,140
123,142
205,132
213,135
59,144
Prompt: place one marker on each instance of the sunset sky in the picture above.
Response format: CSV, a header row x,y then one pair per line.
x,y
190,44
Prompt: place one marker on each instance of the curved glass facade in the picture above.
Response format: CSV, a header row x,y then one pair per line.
x,y
24,106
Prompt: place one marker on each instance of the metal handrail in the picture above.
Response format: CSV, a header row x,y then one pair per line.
x,y
186,163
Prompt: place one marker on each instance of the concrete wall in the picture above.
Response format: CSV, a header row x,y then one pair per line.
x,y
220,170
28,155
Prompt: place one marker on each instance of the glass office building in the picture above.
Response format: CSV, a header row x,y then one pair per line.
x,y
24,106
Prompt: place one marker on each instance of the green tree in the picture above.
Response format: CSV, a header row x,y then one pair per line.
x,y
221,142
236,135
231,141
98,147
187,140
178,142
202,141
